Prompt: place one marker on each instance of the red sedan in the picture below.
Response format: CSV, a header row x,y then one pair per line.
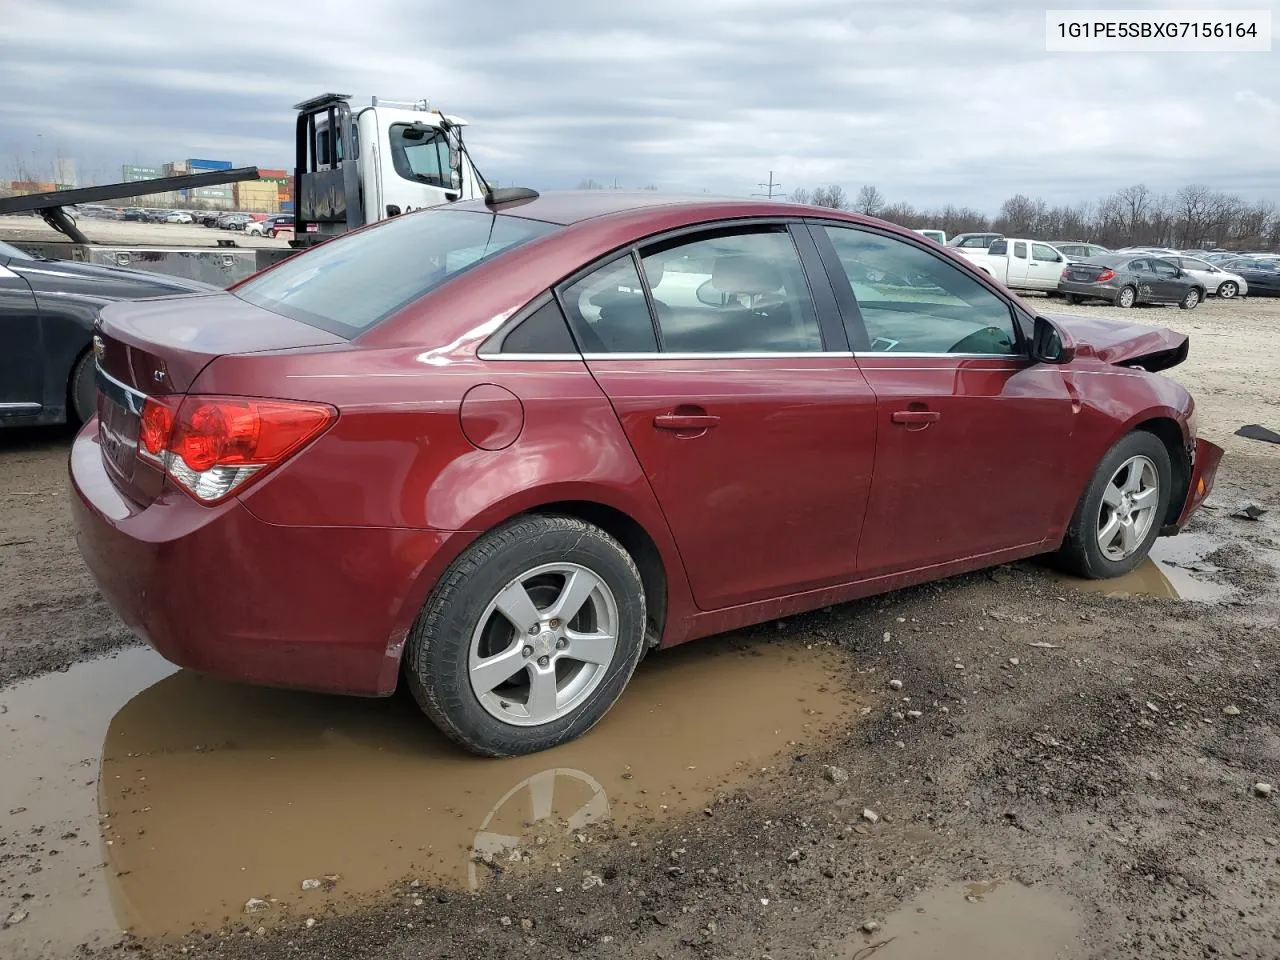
x,y
503,449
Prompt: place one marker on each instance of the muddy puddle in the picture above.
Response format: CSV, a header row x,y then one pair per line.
x,y
977,921
1176,568
158,801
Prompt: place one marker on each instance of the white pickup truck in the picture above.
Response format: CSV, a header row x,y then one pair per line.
x,y
1020,264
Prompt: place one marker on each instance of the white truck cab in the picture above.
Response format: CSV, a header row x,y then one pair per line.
x,y
1019,263
358,166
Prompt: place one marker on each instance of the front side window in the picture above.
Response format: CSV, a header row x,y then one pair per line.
x,y
349,284
739,292
421,155
1042,251
912,301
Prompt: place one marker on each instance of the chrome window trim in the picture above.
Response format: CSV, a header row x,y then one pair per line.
x,y
782,355
21,406
891,354
494,355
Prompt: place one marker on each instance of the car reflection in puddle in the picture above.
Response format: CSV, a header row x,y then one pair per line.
x,y
215,793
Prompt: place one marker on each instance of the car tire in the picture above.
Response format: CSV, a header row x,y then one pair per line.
x,y
1191,300
1228,289
271,234
1126,298
461,628
82,389
1075,298
1082,552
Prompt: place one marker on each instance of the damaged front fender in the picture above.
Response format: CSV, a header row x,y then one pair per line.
x,y
1124,344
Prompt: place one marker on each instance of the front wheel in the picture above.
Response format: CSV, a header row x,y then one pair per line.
x,y
1121,512
1127,297
1191,300
1228,289
529,637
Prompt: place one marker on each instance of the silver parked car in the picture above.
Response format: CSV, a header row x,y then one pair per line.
x,y
1218,281
1127,279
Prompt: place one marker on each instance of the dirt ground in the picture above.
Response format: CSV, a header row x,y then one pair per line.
x,y
997,765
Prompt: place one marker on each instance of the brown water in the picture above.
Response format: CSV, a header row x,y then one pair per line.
x,y
977,921
1176,568
212,793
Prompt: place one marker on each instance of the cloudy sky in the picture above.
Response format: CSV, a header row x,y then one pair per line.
x,y
933,101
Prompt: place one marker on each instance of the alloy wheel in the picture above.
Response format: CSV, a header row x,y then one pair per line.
x,y
1228,289
543,644
1128,508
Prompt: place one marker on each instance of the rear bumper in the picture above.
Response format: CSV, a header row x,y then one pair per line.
x,y
1204,470
1099,290
221,592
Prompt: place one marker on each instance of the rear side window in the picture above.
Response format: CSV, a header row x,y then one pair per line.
x,y
608,310
733,292
350,284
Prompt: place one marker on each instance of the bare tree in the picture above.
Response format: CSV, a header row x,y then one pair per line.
x,y
589,184
802,195
870,201
832,196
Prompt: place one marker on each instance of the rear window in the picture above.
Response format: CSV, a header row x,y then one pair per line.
x,y
350,284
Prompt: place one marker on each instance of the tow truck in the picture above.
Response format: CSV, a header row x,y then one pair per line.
x,y
354,166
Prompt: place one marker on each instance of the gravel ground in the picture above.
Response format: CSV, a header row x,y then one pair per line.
x,y
1103,751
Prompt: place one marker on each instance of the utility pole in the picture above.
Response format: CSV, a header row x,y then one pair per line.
x,y
772,187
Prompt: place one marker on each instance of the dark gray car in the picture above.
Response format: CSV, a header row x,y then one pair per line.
x,y
1127,279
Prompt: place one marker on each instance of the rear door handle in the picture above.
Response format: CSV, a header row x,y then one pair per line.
x,y
685,421
916,416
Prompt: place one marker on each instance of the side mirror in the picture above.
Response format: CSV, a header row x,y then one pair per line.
x,y
393,210
1048,345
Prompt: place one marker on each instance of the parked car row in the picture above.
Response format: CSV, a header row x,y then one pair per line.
x,y
1129,277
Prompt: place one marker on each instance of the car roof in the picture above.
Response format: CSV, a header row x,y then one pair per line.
x,y
565,207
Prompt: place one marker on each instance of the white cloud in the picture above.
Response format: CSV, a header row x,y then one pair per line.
x,y
934,101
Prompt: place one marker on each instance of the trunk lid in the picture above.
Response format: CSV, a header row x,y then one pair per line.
x,y
157,348
1124,344
1084,272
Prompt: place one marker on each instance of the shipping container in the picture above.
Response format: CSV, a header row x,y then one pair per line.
x,y
209,164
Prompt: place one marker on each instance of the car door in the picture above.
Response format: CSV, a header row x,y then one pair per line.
x,y
1142,278
21,364
729,371
971,434
1018,268
1044,269
1170,285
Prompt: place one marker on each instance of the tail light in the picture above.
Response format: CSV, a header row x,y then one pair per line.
x,y
1063,275
1106,275
213,446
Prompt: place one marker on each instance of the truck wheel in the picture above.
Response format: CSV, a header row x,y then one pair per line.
x,y
529,637
1121,511
83,389
1127,297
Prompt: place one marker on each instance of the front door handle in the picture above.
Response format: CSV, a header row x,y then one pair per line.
x,y
914,417
685,421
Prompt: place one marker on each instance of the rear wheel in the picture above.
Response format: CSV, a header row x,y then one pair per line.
x,y
1075,298
1127,297
1191,300
83,389
1228,289
529,637
1121,512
